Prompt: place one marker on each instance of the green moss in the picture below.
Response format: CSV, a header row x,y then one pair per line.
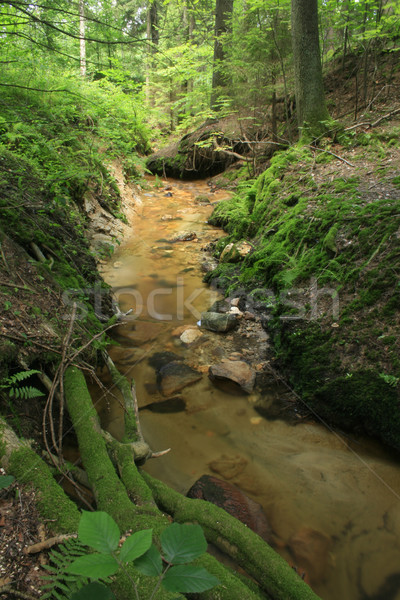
x,y
362,401
55,507
110,493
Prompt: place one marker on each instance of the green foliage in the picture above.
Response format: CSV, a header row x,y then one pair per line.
x,y
93,591
15,390
181,544
391,380
6,481
102,535
61,584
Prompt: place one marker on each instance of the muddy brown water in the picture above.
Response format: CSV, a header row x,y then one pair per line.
x,y
333,503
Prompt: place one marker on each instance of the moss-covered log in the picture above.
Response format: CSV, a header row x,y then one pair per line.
x,y
256,557
109,491
18,459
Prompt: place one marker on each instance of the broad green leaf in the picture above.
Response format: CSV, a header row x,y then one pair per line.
x,y
99,531
95,566
5,481
150,563
188,579
93,591
183,543
136,545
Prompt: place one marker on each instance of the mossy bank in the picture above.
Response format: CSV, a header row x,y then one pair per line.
x,y
324,228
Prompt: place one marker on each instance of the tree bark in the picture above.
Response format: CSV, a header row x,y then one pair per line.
x,y
223,15
310,98
153,39
82,41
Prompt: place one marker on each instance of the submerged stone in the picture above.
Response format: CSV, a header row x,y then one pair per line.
x,y
234,370
175,376
311,551
170,405
189,336
187,236
160,359
234,501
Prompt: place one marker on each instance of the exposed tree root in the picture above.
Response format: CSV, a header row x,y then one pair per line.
x,y
255,556
129,501
134,500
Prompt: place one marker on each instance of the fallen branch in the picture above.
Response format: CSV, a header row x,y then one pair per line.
x,y
375,123
332,154
26,288
38,253
49,543
230,152
8,589
133,436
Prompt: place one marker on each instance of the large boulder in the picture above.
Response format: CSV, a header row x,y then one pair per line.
x,y
218,322
234,370
234,501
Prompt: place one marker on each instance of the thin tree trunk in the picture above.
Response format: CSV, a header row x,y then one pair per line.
x,y
152,40
82,41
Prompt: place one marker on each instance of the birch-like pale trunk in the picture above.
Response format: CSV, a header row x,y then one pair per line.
x,y
82,41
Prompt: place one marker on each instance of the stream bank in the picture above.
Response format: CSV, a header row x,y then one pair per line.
x,y
318,489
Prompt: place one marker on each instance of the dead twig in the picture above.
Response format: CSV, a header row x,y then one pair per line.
x,y
332,154
8,589
26,288
368,124
3,256
30,339
49,543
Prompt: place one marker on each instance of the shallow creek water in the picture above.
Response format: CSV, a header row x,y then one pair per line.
x,y
333,503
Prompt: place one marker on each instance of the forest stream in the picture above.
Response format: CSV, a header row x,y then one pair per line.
x,y
332,502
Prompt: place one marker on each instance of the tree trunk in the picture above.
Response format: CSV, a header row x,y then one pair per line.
x,y
223,14
82,41
310,98
152,39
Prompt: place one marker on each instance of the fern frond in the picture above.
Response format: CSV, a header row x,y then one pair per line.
x,y
26,392
21,376
61,586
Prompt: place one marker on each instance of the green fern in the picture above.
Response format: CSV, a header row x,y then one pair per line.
x,y
62,585
26,391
